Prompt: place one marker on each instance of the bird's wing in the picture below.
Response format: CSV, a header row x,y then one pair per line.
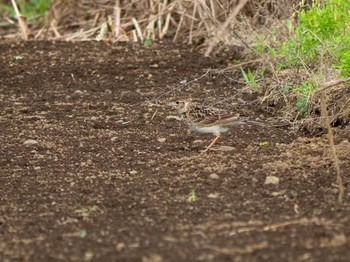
x,y
211,115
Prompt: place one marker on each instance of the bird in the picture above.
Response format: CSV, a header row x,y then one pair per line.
x,y
204,119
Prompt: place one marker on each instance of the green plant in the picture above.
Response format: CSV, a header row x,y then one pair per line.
x,y
8,9
344,65
264,43
263,143
29,9
323,27
192,196
147,42
259,47
249,78
83,233
304,91
287,87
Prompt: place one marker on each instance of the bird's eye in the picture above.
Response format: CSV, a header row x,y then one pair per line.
x,y
177,102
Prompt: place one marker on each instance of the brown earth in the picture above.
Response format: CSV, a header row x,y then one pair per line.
x,y
110,178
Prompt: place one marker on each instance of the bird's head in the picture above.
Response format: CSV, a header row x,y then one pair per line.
x,y
181,106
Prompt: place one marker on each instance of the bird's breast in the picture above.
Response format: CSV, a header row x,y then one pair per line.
x,y
208,129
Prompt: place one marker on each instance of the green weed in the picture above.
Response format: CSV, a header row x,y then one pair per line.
x,y
249,78
305,92
18,57
265,44
322,28
147,42
263,143
287,87
192,197
83,233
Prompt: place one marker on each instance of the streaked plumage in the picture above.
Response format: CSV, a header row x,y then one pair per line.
x,y
208,120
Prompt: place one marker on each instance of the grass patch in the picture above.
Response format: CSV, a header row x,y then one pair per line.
x,y
322,29
313,55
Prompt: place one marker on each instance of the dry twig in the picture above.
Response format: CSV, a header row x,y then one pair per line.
x,y
331,143
21,21
223,29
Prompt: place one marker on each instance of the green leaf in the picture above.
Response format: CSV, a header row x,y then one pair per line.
x,y
147,43
18,57
263,143
83,233
193,197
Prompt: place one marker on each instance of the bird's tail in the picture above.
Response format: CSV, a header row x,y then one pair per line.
x,y
252,122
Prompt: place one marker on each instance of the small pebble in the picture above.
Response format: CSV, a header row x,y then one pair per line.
x,y
161,140
78,92
275,194
213,195
250,148
30,142
120,246
214,176
36,117
271,180
174,117
225,148
88,256
254,180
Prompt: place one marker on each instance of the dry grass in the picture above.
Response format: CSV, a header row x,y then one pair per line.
x,y
21,21
212,22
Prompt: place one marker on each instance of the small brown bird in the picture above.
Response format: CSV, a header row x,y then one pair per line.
x,y
209,120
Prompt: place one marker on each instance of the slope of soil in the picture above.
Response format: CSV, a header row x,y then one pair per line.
x,y
92,167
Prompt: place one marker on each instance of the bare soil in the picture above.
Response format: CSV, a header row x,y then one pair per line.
x,y
110,177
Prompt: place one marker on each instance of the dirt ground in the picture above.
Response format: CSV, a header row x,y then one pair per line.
x,y
92,167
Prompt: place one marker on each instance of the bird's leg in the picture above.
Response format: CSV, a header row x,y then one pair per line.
x,y
211,144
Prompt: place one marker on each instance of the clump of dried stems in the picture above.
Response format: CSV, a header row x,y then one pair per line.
x,y
189,21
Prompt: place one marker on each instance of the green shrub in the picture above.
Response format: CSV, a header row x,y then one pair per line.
x,y
322,31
